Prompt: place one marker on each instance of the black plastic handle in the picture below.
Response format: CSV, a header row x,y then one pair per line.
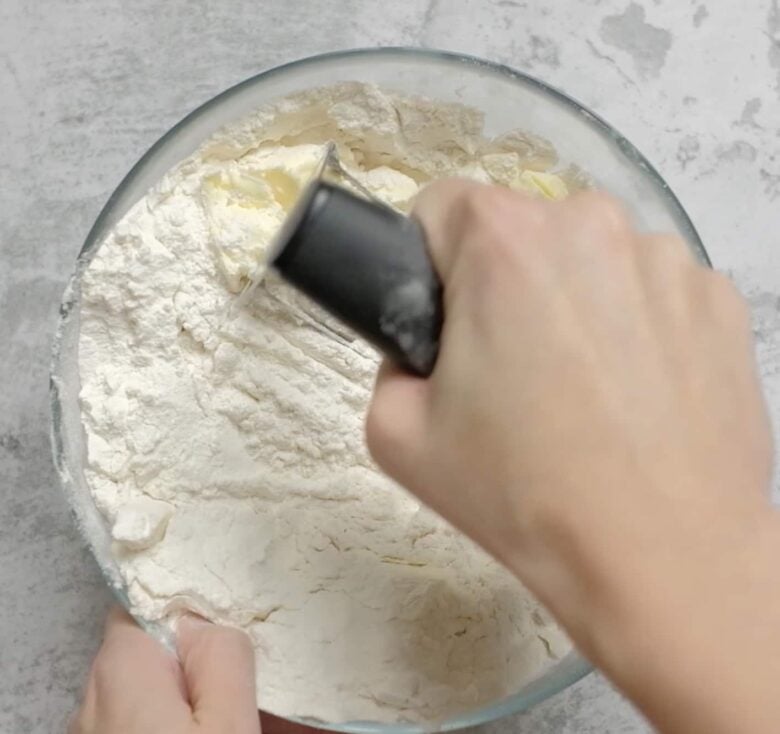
x,y
367,265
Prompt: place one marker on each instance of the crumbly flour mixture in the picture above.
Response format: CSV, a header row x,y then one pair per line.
x,y
225,447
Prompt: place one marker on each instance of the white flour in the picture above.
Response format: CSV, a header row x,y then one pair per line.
x,y
227,454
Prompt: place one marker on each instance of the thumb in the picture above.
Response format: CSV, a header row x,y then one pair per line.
x,y
395,425
219,669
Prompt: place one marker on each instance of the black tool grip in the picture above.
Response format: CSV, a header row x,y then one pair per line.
x,y
367,265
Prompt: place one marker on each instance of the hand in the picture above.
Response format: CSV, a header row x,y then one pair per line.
x,y
595,421
137,687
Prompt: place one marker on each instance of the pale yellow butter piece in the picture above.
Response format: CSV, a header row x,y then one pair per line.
x,y
548,185
501,167
242,214
245,206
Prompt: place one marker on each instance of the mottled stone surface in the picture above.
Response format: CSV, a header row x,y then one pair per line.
x,y
87,85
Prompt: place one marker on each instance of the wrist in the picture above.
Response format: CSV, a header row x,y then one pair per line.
x,y
661,601
597,569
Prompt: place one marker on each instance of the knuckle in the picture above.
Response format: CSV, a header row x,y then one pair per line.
x,y
598,225
497,219
667,245
603,210
388,436
374,430
443,188
216,640
668,251
380,435
478,206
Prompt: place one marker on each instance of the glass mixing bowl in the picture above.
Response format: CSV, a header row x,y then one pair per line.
x,y
509,100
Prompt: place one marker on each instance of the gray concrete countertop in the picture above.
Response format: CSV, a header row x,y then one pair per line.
x,y
87,85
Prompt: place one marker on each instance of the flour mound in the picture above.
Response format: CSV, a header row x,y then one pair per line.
x,y
225,449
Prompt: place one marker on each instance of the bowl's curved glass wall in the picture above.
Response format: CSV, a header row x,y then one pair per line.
x,y
509,100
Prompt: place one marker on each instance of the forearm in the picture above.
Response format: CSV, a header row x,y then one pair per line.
x,y
595,421
682,613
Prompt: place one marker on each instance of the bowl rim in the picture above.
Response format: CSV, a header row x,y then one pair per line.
x,y
428,54
579,668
